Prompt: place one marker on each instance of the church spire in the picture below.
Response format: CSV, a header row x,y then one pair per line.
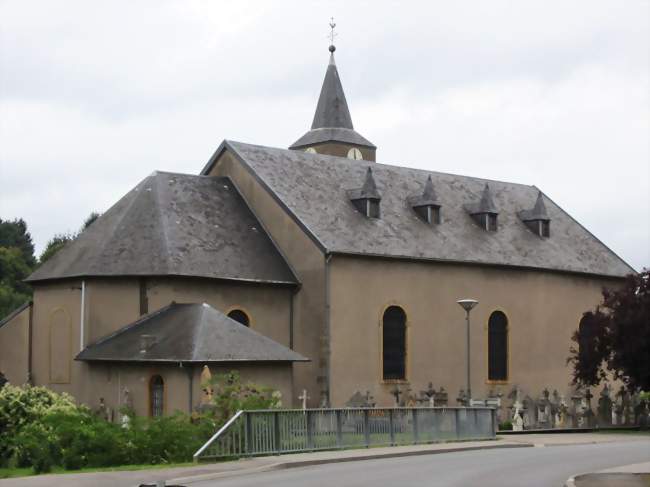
x,y
332,131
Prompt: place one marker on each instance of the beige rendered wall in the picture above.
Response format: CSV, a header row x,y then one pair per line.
x,y
307,262
14,343
112,380
543,310
110,304
268,307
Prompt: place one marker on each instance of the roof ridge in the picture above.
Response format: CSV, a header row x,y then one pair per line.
x,y
380,164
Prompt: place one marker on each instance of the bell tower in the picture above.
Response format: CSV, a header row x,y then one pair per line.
x,y
332,131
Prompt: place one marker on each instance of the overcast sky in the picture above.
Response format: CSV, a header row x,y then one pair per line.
x,y
94,96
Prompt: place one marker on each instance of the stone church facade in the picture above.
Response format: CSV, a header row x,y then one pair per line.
x,y
310,268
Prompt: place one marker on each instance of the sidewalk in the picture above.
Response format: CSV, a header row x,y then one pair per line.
x,y
635,475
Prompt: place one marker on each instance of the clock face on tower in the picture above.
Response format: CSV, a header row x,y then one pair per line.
x,y
355,154
310,150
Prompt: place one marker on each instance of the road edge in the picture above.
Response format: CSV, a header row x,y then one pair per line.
x,y
309,463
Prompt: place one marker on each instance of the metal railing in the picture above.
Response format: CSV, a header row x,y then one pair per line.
x,y
278,431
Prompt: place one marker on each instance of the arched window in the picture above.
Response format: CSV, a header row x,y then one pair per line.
x,y
240,316
156,396
498,346
394,343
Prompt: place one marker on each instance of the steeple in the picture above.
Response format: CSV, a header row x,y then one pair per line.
x,y
332,131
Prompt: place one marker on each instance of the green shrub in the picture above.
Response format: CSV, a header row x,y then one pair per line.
x,y
505,426
230,395
22,406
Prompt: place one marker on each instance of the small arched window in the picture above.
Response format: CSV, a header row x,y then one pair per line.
x,y
394,343
240,316
156,396
498,346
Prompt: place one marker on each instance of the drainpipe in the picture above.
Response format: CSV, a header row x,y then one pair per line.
x,y
82,318
30,346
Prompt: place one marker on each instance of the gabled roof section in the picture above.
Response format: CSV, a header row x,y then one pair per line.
x,y
173,224
537,213
484,205
187,333
312,189
332,121
15,313
427,198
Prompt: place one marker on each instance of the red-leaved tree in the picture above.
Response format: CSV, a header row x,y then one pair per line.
x,y
615,338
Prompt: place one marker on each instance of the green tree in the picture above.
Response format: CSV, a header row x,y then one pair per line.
x,y
615,338
55,244
14,234
59,240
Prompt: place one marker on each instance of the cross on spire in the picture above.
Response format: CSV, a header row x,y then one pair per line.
x,y
332,34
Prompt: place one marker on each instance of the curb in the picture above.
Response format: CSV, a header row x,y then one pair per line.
x,y
324,461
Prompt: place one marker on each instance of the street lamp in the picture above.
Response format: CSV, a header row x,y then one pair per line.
x,y
467,305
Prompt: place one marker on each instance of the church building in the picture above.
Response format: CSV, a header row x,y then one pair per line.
x,y
313,268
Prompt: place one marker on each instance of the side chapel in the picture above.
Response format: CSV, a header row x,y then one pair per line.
x,y
312,268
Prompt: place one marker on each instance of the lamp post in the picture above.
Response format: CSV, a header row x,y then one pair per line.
x,y
467,305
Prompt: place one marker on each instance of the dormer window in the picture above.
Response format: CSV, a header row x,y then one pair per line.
x,y
426,205
537,219
484,213
366,199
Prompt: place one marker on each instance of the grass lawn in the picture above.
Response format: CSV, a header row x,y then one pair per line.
x,y
7,473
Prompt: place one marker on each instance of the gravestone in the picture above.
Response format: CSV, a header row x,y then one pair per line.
x,y
303,399
543,410
462,399
589,417
428,397
441,398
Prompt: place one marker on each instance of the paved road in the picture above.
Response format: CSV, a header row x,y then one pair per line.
x,y
520,467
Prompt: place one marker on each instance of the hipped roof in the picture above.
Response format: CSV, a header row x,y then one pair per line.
x,y
173,225
188,333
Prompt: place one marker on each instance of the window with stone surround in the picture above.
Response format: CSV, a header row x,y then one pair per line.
x,y
239,316
498,347
394,343
156,396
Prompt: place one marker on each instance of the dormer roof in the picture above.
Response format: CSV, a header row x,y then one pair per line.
x,y
427,198
537,213
484,205
367,191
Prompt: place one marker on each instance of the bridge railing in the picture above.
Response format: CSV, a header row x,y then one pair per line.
x,y
278,431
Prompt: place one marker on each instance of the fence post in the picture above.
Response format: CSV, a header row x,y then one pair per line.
x,y
457,410
249,434
310,431
494,422
416,432
339,429
276,432
366,428
391,426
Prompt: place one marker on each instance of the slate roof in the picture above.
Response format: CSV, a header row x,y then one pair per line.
x,y
173,224
332,120
188,333
313,188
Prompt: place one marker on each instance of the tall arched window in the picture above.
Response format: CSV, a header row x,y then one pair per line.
x,y
394,343
240,316
156,396
498,346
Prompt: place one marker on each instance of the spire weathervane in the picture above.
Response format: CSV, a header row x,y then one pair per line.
x,y
332,35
